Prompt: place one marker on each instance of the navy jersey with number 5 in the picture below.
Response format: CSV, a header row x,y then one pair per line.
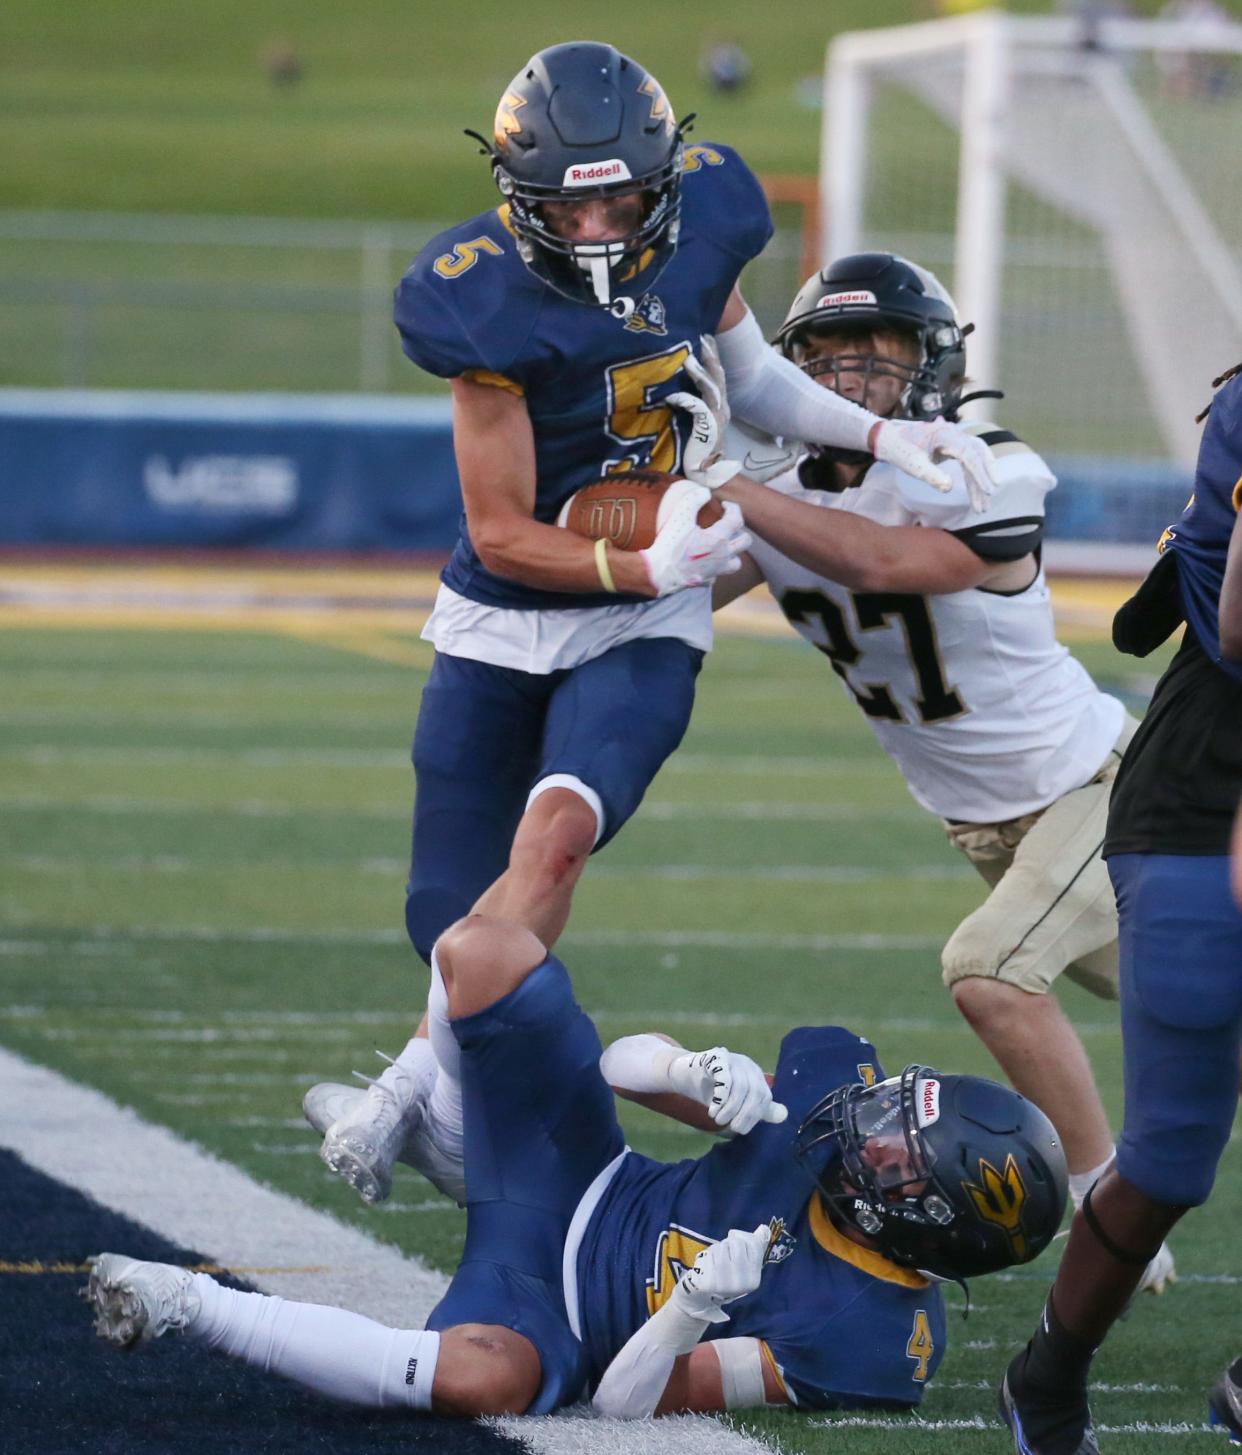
x,y
1200,539
592,381
842,1326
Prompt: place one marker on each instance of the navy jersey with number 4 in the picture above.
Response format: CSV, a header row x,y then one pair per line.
x,y
843,1326
592,380
1200,539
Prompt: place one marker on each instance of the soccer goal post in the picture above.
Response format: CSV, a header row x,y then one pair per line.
x,y
1079,188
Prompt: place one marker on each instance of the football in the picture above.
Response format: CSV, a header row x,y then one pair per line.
x,y
628,509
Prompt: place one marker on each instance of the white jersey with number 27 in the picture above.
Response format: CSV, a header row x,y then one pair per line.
x,y
985,713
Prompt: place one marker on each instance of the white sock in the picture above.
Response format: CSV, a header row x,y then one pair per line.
x,y
1081,1183
338,1353
444,1110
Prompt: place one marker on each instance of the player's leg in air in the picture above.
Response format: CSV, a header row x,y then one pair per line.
x,y
553,764
500,1340
1051,911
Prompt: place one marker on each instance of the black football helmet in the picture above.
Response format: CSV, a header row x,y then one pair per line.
x,y
880,290
953,1175
578,121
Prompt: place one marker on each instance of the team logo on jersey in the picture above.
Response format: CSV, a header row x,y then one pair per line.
x,y
648,316
999,1200
782,1242
676,1251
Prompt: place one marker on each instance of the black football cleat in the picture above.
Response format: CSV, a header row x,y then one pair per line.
x,y
1225,1403
1043,1426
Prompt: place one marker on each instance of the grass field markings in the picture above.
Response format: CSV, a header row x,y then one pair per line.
x,y
1140,1388
743,941
287,1124
431,1204
749,941
679,765
376,645
977,1422
787,873
143,1171
175,757
304,1148
688,873
775,811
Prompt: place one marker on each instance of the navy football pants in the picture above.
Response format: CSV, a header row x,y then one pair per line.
x,y
541,1124
1181,1020
486,735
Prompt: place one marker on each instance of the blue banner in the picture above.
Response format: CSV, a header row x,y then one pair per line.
x,y
279,473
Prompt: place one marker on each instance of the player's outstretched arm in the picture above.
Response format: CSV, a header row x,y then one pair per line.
x,y
717,1090
495,448
662,1368
770,391
857,552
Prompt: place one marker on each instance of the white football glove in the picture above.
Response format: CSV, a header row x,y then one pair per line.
x,y
914,445
702,460
731,1086
722,1272
685,553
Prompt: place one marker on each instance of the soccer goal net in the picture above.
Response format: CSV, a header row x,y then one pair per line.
x,y
1078,186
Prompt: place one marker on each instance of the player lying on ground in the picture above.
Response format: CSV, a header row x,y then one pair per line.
x,y
820,1226
937,617
1167,844
565,670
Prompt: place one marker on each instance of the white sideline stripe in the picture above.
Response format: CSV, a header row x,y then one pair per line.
x,y
144,1172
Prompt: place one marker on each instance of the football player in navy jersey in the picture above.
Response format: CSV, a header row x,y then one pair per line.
x,y
822,1223
567,320
1167,846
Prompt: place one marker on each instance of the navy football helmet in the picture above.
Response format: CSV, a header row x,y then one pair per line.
x,y
581,121
953,1175
866,291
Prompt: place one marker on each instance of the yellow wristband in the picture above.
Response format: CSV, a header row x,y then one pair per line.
x,y
602,566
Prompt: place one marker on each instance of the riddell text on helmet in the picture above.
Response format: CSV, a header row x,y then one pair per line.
x,y
612,170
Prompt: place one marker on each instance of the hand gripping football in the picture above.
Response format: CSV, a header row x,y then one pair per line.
x,y
629,509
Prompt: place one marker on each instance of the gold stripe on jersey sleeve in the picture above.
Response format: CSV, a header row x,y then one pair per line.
x,y
495,381
1237,495
866,1259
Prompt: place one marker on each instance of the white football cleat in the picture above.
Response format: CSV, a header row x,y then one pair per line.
x,y
1159,1273
135,1302
362,1140
366,1132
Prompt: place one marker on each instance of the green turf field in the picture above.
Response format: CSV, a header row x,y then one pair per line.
x,y
201,865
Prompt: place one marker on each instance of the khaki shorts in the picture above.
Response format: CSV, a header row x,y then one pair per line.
x,y
1051,908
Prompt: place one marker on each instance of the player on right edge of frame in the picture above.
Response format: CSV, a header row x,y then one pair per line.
x,y
937,617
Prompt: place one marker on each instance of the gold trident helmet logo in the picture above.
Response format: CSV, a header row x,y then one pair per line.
x,y
1000,1201
660,109
506,123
